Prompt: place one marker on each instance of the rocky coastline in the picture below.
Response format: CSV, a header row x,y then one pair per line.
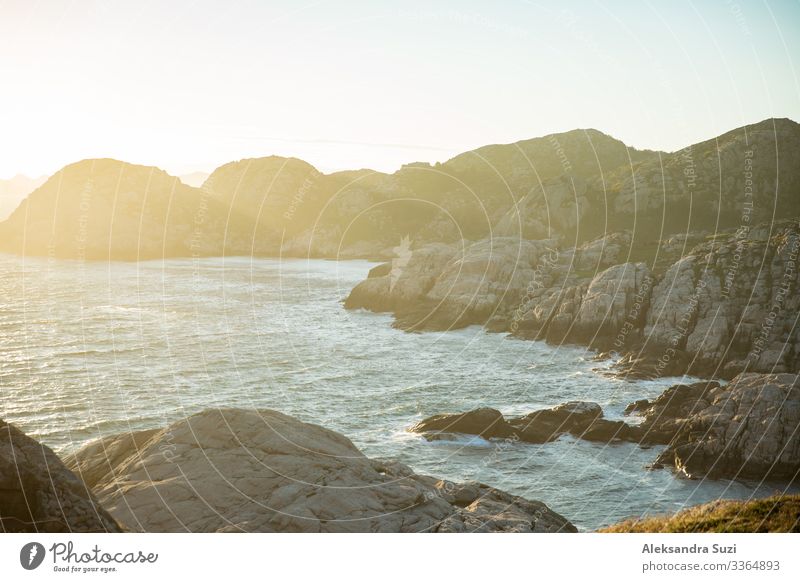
x,y
724,306
633,254
746,429
234,470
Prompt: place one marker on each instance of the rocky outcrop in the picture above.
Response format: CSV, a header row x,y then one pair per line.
x,y
664,417
581,419
615,301
262,471
726,306
731,305
39,494
748,429
603,252
484,422
506,283
439,287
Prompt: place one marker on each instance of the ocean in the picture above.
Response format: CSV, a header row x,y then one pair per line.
x,y
92,349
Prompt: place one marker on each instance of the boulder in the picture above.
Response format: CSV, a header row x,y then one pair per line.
x,y
546,425
605,431
485,422
615,303
262,471
38,493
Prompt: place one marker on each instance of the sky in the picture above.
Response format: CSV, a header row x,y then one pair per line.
x,y
188,86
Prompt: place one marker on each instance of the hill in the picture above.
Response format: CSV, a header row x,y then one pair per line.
x,y
107,209
571,187
14,191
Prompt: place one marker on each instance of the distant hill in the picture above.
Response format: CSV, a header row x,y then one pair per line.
x,y
195,179
572,186
107,209
14,190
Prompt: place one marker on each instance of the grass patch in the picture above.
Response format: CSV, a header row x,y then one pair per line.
x,y
780,513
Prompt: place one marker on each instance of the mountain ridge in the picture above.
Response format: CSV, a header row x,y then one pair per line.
x,y
573,185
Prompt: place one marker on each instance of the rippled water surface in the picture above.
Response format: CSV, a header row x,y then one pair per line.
x,y
93,349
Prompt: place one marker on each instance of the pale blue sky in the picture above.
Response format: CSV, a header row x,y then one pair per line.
x,y
190,85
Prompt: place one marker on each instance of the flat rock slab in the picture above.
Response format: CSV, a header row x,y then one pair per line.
x,y
263,471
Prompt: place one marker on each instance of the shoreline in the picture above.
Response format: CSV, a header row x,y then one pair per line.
x,y
110,467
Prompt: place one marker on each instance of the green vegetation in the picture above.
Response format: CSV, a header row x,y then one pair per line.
x,y
780,513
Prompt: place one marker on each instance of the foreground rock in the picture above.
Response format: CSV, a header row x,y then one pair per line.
x,y
39,494
262,471
747,429
772,514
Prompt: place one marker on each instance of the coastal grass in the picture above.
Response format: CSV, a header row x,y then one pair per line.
x,y
779,513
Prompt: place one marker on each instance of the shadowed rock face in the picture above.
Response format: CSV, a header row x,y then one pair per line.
x,y
262,471
484,422
749,428
581,419
39,494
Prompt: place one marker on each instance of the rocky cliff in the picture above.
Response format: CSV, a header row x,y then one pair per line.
x,y
723,306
